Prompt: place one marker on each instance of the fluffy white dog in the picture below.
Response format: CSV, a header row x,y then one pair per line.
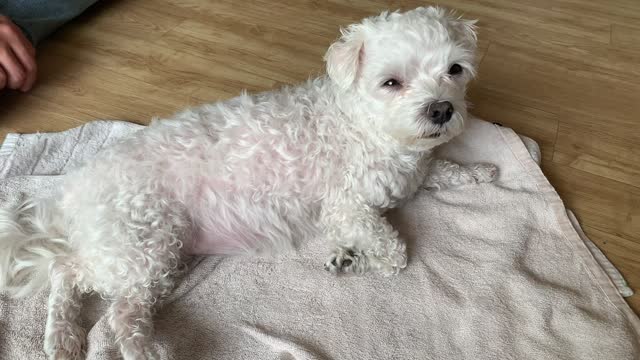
x,y
253,174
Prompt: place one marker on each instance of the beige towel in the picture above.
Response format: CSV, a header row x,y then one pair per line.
x,y
496,271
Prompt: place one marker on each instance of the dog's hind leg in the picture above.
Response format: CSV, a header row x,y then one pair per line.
x,y
64,337
131,321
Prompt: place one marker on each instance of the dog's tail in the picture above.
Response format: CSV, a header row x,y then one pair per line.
x,y
30,240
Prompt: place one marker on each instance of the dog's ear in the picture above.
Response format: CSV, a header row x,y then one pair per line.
x,y
344,56
464,31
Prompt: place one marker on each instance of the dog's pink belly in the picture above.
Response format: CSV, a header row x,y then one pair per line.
x,y
224,227
257,202
222,242
234,222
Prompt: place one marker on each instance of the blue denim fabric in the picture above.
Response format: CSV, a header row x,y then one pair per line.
x,y
39,18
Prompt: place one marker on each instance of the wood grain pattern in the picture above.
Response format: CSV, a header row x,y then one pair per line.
x,y
564,72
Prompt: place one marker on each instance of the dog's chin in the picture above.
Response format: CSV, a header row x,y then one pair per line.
x,y
437,135
427,142
448,130
430,135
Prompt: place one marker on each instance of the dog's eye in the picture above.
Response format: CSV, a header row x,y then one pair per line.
x,y
392,83
455,69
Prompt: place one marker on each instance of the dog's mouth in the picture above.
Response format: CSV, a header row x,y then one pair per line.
x,y
433,130
435,133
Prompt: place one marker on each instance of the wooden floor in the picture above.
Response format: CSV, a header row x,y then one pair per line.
x,y
566,73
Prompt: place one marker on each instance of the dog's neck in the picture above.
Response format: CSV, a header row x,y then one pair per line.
x,y
344,99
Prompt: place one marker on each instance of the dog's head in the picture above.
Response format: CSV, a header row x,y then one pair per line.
x,y
409,72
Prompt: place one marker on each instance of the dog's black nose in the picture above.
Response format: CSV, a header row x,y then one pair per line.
x,y
440,112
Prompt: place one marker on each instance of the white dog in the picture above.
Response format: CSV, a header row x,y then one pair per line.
x,y
253,174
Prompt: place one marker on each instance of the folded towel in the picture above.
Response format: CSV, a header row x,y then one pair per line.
x,y
496,271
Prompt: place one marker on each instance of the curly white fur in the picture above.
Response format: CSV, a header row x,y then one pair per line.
x,y
257,173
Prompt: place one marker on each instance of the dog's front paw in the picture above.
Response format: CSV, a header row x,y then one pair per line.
x,y
484,173
344,260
